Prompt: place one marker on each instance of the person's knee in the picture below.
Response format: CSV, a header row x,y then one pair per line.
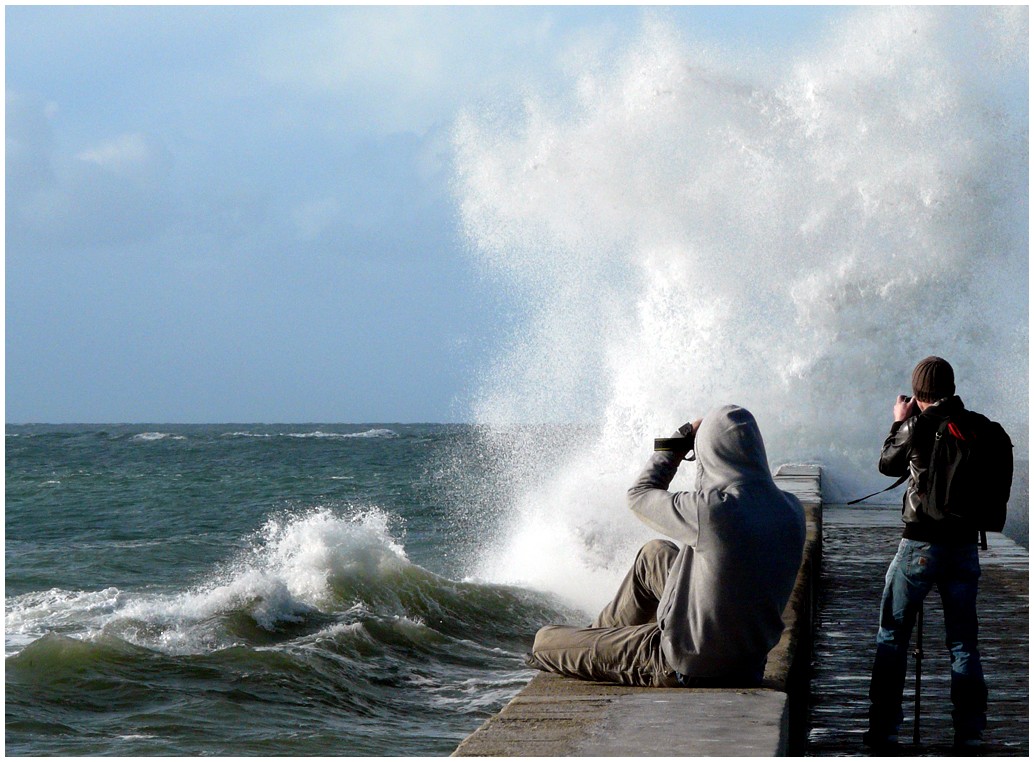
x,y
965,660
892,639
552,637
658,548
542,637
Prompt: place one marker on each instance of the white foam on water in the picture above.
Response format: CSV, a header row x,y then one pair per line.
x,y
311,551
686,228
318,435
371,434
27,617
290,570
155,436
374,434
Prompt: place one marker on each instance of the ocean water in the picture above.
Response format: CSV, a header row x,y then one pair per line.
x,y
679,227
230,590
267,590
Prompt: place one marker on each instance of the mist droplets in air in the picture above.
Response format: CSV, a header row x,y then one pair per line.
x,y
685,228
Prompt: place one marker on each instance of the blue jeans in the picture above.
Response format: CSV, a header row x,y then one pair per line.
x,y
916,568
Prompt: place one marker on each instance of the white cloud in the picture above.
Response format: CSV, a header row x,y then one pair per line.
x,y
107,193
127,154
404,69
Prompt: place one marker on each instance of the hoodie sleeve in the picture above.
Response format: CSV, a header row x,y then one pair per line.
x,y
671,513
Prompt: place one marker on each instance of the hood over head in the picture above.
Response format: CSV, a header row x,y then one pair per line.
x,y
729,449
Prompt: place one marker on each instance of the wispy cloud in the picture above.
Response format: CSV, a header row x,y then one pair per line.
x,y
125,154
406,68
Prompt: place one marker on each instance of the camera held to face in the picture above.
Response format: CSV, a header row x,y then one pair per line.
x,y
681,446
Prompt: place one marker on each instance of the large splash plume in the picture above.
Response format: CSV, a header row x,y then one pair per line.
x,y
685,228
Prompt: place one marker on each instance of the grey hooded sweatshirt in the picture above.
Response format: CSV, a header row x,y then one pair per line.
x,y
741,541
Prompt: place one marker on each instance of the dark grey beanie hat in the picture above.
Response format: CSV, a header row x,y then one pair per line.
x,y
933,379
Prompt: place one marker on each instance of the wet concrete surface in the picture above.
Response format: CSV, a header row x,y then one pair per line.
x,y
858,545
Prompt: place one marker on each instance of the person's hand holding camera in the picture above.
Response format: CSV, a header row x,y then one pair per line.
x,y
905,408
681,442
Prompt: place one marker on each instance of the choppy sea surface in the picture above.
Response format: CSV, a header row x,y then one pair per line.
x,y
249,590
274,590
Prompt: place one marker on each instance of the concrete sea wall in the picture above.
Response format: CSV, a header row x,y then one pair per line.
x,y
555,716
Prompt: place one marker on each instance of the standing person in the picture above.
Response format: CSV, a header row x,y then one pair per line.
x,y
705,611
936,548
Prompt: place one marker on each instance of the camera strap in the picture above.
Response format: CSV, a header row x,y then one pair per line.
x,y
880,492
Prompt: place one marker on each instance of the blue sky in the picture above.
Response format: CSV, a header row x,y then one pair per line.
x,y
247,214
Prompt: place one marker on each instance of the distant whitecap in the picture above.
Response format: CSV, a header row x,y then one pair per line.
x,y
371,434
155,436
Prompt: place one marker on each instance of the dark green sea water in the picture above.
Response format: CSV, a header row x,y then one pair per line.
x,y
274,590
239,590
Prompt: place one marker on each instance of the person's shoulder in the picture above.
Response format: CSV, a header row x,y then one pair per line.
x,y
985,426
764,493
963,414
973,415
794,502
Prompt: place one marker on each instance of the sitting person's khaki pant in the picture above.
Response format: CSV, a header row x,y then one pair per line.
x,y
623,644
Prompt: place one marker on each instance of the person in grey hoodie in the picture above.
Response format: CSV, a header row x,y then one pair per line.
x,y
704,610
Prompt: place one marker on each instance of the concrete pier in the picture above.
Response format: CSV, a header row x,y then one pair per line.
x,y
555,716
858,545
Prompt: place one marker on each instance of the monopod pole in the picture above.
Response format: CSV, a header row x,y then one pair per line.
x,y
918,654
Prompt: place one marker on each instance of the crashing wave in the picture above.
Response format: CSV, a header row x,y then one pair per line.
x,y
301,576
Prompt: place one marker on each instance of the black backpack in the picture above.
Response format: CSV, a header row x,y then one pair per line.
x,y
970,474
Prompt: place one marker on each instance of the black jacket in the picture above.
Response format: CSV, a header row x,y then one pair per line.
x,y
907,450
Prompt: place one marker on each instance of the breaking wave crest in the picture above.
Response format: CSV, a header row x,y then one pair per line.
x,y
316,575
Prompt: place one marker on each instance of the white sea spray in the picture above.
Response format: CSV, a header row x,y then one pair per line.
x,y
294,567
685,229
